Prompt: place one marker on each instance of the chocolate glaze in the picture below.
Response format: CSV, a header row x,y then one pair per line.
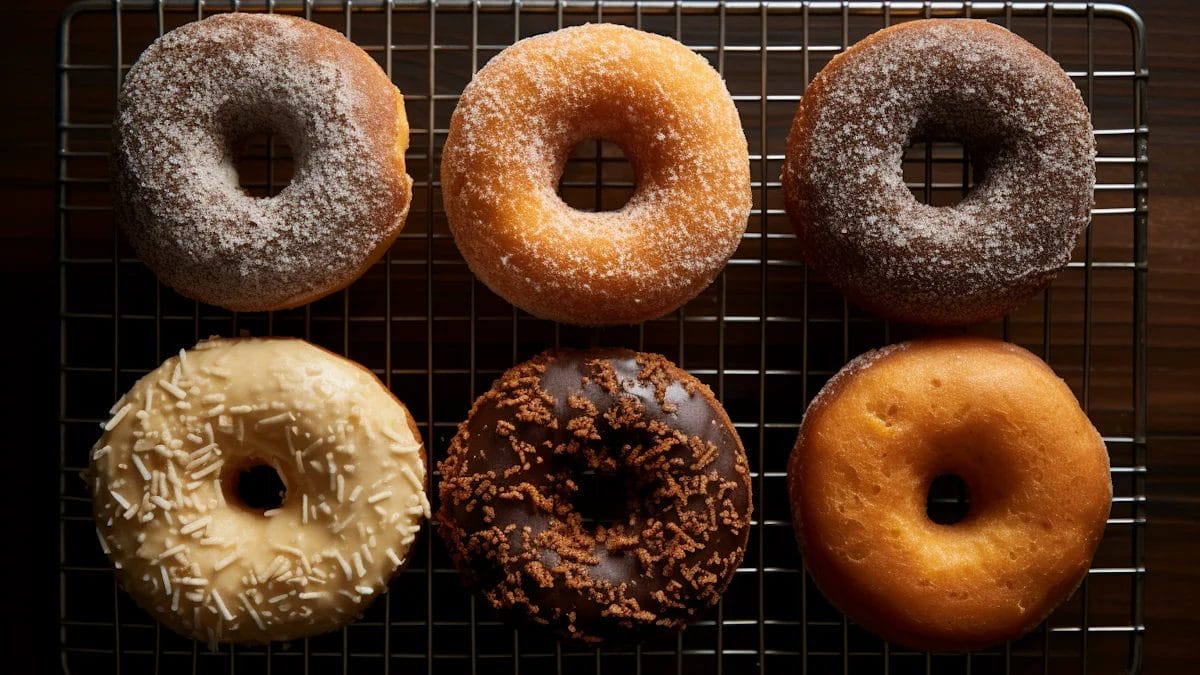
x,y
510,485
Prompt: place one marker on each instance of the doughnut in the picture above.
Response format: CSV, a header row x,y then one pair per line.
x,y
509,140
189,545
189,103
1027,132
514,499
1035,469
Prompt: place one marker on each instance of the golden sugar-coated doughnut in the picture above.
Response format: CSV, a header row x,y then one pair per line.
x,y
1036,472
1026,130
509,140
514,502
189,545
188,104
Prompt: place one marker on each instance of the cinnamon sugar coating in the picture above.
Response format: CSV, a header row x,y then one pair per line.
x,y
186,106
511,483
1028,133
509,140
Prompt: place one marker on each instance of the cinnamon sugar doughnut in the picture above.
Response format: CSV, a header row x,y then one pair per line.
x,y
1036,473
1026,128
195,553
512,510
509,140
188,103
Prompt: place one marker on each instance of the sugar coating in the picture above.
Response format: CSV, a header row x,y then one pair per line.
x,y
509,140
1023,122
199,91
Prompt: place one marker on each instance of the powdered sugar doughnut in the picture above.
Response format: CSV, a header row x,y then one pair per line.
x,y
509,140
194,96
1024,124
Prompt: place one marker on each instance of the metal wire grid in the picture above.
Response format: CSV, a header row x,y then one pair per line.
x,y
765,336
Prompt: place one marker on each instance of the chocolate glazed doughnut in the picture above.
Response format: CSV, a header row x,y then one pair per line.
x,y
511,488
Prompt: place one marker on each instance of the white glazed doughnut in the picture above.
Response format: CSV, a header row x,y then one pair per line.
x,y
198,92
194,554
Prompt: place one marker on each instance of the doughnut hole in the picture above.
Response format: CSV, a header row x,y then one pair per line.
x,y
256,487
597,176
948,500
264,163
604,499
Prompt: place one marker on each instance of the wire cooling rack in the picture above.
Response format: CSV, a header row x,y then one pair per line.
x,y
765,335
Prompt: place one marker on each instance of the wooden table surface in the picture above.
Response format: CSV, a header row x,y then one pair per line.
x,y
1173,535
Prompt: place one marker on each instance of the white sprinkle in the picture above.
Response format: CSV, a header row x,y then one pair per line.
x,y
226,561
365,590
221,605
207,470
182,362
338,527
253,614
314,445
299,462
272,512
415,510
379,496
341,489
201,452
100,452
198,524
173,389
304,509
218,491
355,492
103,544
393,435
241,409
160,502
162,570
367,554
141,468
193,581
393,557
311,595
131,511
402,449
119,499
425,504
345,565
358,565
117,406
208,431
168,553
275,419
116,419
412,478
175,601
150,394
275,599
215,397
215,410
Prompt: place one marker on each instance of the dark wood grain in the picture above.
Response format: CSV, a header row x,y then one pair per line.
x,y
1173,600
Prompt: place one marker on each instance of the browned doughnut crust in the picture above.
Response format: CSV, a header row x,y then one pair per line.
x,y
511,478
509,140
1021,119
990,412
186,106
